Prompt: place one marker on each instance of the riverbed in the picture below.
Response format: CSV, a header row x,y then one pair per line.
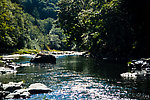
x,y
76,77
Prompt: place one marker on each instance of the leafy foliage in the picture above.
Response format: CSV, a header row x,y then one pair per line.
x,y
26,51
22,27
12,24
41,9
104,27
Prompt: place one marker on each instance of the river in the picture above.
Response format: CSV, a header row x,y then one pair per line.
x,y
76,78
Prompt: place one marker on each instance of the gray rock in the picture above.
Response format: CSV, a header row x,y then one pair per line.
x,y
21,93
1,95
1,88
4,70
12,86
37,88
1,91
13,96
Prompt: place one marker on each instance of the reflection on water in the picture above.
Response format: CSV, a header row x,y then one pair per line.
x,y
81,78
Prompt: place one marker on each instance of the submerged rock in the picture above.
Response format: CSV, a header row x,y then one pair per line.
x,y
43,58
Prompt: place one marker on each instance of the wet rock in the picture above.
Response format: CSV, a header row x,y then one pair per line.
x,y
8,66
26,64
12,86
1,91
138,68
6,89
86,54
14,90
35,88
4,70
139,64
38,88
43,58
1,88
12,65
129,75
21,93
136,73
147,72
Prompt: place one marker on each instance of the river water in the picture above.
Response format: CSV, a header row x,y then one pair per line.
x,y
76,78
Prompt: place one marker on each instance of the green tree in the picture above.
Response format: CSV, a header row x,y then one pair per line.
x,y
27,30
104,27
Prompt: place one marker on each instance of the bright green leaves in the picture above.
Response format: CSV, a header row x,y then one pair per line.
x,y
28,30
95,35
5,25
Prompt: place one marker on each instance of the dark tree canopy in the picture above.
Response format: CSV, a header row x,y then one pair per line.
x,y
107,28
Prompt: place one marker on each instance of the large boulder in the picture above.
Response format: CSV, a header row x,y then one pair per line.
x,y
38,88
43,58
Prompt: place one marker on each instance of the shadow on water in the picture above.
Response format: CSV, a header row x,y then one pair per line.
x,y
93,67
76,77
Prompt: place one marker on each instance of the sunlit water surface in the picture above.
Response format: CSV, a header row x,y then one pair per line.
x,y
78,78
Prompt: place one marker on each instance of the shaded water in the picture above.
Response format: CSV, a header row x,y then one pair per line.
x,y
76,77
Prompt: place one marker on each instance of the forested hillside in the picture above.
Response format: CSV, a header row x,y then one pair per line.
x,y
107,28
40,9
29,24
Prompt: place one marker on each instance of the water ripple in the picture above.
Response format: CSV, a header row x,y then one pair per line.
x,y
72,78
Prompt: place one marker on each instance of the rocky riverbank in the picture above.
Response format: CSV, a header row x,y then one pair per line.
x,y
138,68
14,90
7,66
58,54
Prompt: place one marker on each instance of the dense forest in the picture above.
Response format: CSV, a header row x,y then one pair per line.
x,y
105,28
29,24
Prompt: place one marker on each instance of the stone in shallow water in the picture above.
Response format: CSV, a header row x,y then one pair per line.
x,y
18,94
12,86
43,58
4,70
129,75
37,88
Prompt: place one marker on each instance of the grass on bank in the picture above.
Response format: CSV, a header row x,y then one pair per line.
x,y
32,51
26,51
